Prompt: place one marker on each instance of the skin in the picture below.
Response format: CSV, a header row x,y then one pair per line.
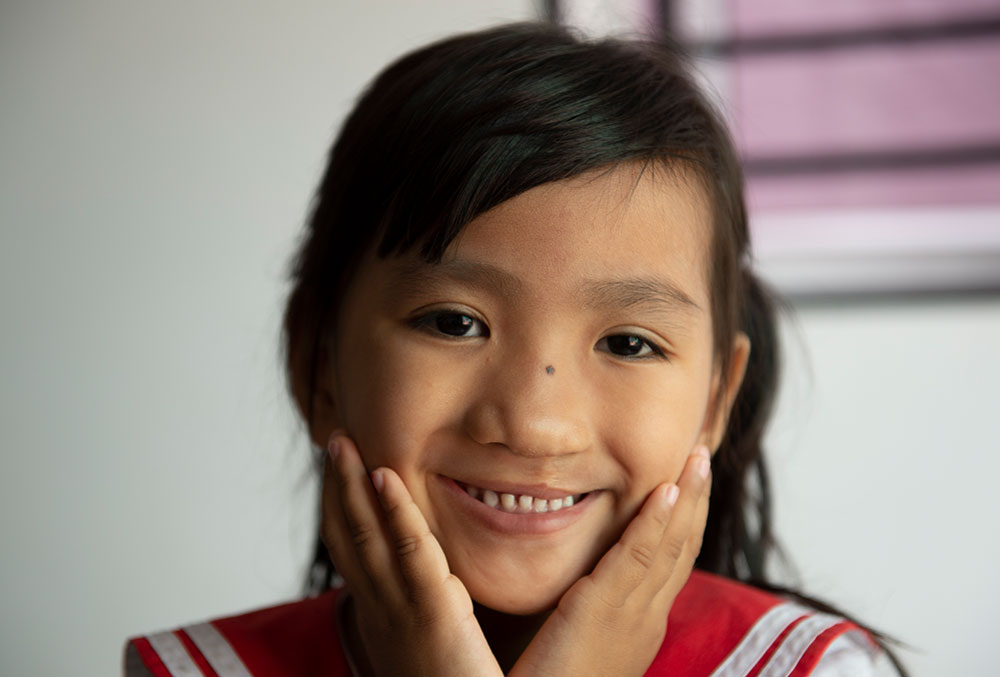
x,y
438,373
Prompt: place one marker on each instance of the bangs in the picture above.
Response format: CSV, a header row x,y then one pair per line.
x,y
464,125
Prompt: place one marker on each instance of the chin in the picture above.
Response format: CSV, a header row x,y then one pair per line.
x,y
521,591
525,575
524,603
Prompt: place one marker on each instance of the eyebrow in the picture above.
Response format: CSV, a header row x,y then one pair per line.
x,y
628,293
418,276
635,292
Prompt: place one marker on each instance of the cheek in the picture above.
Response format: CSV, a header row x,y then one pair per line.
x,y
392,402
658,431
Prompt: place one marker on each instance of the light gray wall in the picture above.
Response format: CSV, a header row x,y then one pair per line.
x,y
884,456
156,163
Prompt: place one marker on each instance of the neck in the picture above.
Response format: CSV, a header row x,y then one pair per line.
x,y
508,635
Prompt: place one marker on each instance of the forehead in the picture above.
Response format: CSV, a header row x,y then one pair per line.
x,y
631,222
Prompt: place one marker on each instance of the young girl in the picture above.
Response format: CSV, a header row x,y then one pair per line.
x,y
524,331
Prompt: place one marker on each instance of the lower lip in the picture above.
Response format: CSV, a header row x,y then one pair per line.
x,y
512,523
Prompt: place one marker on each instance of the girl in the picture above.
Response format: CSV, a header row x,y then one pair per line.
x,y
524,332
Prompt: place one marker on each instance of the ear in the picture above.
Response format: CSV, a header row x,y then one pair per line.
x,y
311,376
717,414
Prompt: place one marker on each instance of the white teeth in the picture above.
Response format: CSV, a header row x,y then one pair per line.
x,y
523,503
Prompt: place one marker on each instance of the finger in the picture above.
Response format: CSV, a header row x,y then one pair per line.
x,y
334,530
682,537
630,560
697,531
422,563
694,484
364,526
344,477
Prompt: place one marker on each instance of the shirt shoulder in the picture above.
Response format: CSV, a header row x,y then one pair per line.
x,y
297,638
851,655
724,628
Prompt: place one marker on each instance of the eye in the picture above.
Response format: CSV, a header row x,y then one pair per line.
x,y
452,323
630,346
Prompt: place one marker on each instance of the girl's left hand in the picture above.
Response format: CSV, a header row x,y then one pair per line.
x,y
613,621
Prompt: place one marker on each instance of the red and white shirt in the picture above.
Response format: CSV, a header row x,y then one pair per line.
x,y
716,627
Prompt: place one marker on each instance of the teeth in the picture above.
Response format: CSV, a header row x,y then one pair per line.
x,y
523,503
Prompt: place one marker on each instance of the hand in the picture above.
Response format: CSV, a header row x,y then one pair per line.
x,y
612,622
414,616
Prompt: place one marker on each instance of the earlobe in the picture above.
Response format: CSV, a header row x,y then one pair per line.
x,y
325,412
312,388
717,416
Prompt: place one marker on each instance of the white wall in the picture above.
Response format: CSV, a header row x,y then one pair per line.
x,y
885,464
156,163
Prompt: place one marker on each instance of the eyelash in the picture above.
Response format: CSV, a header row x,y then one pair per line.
x,y
655,351
429,322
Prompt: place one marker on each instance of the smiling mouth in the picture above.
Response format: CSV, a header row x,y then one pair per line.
x,y
521,503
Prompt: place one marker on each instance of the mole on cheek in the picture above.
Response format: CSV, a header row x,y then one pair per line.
x,y
550,370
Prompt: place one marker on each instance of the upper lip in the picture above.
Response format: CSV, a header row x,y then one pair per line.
x,y
537,490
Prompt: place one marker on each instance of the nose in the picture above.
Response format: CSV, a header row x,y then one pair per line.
x,y
532,405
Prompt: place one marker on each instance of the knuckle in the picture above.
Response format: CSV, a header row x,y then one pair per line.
x,y
407,545
661,519
423,616
606,613
393,510
597,609
361,534
340,481
674,548
642,555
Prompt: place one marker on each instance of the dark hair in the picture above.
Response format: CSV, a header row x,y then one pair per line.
x,y
455,128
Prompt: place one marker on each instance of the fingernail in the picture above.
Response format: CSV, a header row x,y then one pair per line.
x,y
702,451
378,479
672,493
334,448
702,467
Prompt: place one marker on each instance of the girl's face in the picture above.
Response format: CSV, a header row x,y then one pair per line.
x,y
560,353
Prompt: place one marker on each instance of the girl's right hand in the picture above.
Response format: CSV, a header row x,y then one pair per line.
x,y
413,615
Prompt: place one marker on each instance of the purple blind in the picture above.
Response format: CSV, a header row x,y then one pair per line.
x,y
764,17
861,103
869,130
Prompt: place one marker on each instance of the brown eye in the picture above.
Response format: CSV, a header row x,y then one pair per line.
x,y
457,325
629,346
